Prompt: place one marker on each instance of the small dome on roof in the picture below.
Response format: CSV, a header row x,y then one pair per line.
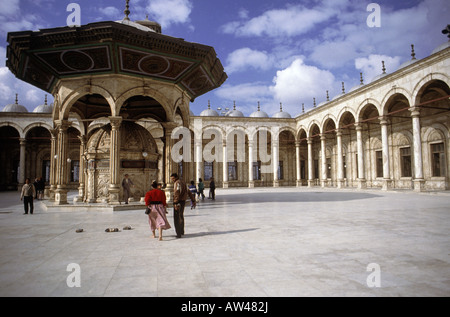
x,y
282,114
234,113
259,113
45,108
441,47
411,61
152,25
381,75
209,112
15,107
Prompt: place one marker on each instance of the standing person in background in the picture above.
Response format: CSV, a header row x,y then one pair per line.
x,y
201,188
180,194
212,189
193,190
127,184
27,195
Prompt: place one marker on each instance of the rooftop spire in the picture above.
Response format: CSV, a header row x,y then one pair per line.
x,y
413,53
127,11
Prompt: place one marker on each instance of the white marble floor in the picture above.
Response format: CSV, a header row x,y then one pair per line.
x,y
248,243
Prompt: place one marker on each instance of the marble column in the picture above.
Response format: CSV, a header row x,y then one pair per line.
x,y
387,182
323,151
53,163
340,162
198,160
297,163
419,181
82,176
61,163
114,161
251,182
275,162
23,144
169,164
310,163
224,163
360,148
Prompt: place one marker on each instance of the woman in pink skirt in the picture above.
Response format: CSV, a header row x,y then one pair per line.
x,y
155,200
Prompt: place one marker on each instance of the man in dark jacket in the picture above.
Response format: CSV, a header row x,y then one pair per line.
x,y
180,194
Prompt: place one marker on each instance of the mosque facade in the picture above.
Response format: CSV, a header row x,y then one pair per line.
x,y
121,106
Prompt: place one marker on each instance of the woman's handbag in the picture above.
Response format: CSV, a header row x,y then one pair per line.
x,y
147,211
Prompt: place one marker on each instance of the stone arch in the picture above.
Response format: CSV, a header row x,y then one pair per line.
x,y
392,95
15,126
423,83
75,95
146,92
325,122
312,126
342,116
369,102
36,125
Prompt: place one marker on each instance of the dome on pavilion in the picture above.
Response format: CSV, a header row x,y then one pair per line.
x,y
209,112
282,114
14,107
45,108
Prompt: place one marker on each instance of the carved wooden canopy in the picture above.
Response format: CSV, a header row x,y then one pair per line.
x,y
41,58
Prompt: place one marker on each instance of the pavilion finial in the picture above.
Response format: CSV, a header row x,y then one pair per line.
x,y
259,106
384,67
413,53
127,11
361,78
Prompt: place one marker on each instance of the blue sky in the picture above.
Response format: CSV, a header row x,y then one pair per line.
x,y
274,52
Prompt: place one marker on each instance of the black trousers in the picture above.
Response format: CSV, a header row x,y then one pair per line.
x,y
178,219
28,200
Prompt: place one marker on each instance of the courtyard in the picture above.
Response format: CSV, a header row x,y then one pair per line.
x,y
262,242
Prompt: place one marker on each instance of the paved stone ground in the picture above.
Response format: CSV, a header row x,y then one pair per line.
x,y
249,242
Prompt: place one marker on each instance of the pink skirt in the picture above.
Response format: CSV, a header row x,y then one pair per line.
x,y
157,217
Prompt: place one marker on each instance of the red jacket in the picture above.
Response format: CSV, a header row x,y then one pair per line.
x,y
155,195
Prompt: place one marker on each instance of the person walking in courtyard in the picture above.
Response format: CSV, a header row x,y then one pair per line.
x,y
212,189
201,188
155,200
193,190
180,194
127,184
27,195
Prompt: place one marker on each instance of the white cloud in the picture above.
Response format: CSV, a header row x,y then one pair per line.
x,y
292,21
298,83
245,58
372,65
111,12
168,12
9,7
301,83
